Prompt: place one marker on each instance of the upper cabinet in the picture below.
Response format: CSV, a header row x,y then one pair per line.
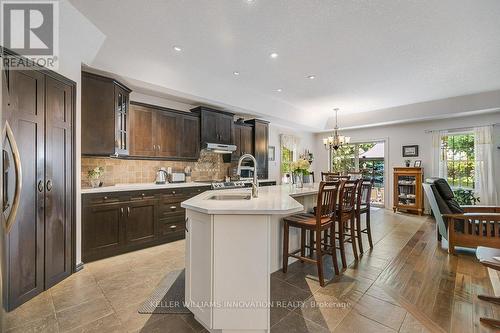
x,y
243,139
105,116
260,146
216,125
163,133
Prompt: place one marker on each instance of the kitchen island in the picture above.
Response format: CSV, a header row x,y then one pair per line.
x,y
232,247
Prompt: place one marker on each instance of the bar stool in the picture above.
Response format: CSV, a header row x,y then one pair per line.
x,y
345,219
315,223
326,175
363,207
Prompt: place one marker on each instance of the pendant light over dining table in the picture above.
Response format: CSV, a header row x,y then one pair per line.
x,y
335,141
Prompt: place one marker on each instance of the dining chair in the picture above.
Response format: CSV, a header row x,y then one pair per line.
x,y
315,223
345,219
363,199
326,175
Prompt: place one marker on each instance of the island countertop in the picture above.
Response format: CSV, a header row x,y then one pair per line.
x,y
273,200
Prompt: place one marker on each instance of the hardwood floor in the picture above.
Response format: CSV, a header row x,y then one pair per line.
x,y
406,283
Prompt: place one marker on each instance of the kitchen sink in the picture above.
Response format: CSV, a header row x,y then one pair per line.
x,y
228,197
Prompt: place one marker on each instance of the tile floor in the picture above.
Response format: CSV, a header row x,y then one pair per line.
x,y
105,295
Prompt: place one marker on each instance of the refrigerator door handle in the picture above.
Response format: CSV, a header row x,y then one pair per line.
x,y
11,218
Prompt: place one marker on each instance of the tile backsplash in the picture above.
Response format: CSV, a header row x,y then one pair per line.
x,y
209,166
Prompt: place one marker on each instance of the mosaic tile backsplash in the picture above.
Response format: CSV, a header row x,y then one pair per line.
x,y
209,166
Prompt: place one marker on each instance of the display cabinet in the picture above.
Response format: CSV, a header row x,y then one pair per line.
x,y
408,190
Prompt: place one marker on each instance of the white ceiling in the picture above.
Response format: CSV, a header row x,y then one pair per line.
x,y
366,54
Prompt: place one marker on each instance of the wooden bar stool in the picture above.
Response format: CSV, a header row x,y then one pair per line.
x,y
345,219
363,200
315,223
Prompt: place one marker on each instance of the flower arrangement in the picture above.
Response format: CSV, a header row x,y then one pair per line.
x,y
94,175
300,166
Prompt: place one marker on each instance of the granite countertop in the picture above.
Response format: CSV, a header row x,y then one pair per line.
x,y
140,186
272,200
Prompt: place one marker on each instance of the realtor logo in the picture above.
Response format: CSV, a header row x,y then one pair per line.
x,y
30,28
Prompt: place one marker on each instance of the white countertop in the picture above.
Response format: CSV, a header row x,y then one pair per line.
x,y
140,186
273,200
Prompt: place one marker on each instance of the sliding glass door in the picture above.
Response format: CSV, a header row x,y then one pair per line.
x,y
368,158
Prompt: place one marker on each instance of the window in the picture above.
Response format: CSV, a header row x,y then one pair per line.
x,y
458,156
286,159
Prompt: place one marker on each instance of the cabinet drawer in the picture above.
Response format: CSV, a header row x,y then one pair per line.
x,y
104,198
172,225
170,208
142,196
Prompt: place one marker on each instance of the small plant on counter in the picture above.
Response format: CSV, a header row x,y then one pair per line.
x,y
465,196
94,176
407,163
300,168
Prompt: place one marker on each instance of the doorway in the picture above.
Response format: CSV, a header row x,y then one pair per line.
x,y
367,157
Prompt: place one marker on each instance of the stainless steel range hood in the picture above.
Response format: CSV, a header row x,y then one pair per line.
x,y
220,148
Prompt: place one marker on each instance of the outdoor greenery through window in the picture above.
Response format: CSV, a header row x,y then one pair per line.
x,y
286,159
458,155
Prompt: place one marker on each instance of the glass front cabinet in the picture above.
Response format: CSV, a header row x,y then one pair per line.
x,y
408,194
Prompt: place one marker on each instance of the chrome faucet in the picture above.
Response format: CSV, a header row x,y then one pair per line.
x,y
255,183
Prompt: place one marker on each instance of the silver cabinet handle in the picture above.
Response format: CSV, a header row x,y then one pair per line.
x,y
49,185
40,186
173,226
186,221
173,207
121,211
19,177
159,147
128,211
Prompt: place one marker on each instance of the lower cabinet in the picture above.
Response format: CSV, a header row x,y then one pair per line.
x,y
118,222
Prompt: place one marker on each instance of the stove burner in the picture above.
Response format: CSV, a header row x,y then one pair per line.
x,y
227,185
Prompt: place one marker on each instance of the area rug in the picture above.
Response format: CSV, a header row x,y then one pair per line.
x,y
168,297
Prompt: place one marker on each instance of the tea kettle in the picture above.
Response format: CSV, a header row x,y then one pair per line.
x,y
161,176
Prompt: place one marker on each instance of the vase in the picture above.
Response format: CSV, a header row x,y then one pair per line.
x,y
95,182
298,181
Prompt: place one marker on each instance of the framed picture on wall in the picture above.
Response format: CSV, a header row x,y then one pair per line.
x,y
417,163
272,153
410,151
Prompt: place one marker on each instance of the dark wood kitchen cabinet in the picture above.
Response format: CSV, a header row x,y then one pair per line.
x,y
163,133
105,116
118,222
216,125
37,181
261,146
243,139
141,222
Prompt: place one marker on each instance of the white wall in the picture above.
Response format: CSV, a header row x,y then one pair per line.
x,y
413,133
306,142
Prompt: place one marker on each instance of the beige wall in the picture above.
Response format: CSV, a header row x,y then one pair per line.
x,y
209,167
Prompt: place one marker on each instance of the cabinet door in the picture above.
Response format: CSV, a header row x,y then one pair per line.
x,y
225,129
246,139
25,116
58,180
101,232
237,142
140,224
122,121
142,134
209,127
189,139
261,146
166,130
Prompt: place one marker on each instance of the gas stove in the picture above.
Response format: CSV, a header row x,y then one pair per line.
x,y
227,185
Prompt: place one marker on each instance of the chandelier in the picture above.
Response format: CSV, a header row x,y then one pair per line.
x,y
335,141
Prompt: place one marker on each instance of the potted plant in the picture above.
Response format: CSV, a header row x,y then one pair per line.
x,y
407,163
94,175
300,168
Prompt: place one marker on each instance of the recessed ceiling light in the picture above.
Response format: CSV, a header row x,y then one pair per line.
x,y
274,55
250,1
311,77
279,90
177,48
236,73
